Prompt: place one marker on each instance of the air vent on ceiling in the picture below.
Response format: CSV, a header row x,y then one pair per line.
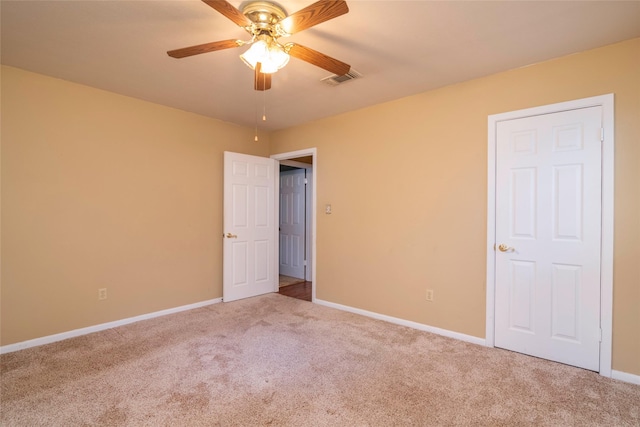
x,y
336,80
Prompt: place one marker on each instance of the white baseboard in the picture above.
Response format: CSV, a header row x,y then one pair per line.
x,y
617,375
626,377
415,325
91,329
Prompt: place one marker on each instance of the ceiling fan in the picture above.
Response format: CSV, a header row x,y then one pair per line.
x,y
266,22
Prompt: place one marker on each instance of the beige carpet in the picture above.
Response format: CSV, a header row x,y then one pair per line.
x,y
279,361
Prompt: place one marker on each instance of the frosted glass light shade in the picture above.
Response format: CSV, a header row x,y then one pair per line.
x,y
272,57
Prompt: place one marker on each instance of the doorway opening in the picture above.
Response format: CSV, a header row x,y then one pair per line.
x,y
295,213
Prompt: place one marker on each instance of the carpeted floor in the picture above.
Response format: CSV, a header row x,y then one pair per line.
x,y
273,360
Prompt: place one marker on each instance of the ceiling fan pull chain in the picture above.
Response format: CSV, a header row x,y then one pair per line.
x,y
256,115
264,99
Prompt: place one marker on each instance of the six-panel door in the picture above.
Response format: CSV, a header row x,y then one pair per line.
x,y
249,262
548,220
292,223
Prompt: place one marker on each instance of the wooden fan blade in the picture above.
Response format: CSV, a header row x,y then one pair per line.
x,y
261,81
228,10
314,14
319,59
202,48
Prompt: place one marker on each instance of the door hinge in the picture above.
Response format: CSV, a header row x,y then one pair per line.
x,y
599,335
601,134
306,181
304,263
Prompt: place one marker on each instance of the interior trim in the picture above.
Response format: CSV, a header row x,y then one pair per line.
x,y
101,327
608,169
402,322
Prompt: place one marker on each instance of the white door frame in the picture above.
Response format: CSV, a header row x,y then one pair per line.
x,y
606,268
293,155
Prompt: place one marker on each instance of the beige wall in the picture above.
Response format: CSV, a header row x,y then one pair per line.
x,y
101,190
407,181
105,191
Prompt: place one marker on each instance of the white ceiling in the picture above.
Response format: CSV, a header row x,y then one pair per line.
x,y
400,47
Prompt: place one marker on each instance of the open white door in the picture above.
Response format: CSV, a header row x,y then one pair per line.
x,y
250,265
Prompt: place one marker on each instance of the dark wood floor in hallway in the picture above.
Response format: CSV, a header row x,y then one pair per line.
x,y
299,290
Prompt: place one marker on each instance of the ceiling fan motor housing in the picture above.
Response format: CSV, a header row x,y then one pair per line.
x,y
264,17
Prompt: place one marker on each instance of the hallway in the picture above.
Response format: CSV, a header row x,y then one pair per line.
x,y
300,290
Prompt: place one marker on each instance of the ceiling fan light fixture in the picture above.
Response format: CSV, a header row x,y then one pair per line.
x,y
271,55
266,22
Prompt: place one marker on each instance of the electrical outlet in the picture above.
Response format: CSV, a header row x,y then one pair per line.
x,y
102,293
429,294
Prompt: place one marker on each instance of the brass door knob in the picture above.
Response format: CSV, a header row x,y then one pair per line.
x,y
505,248
230,236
